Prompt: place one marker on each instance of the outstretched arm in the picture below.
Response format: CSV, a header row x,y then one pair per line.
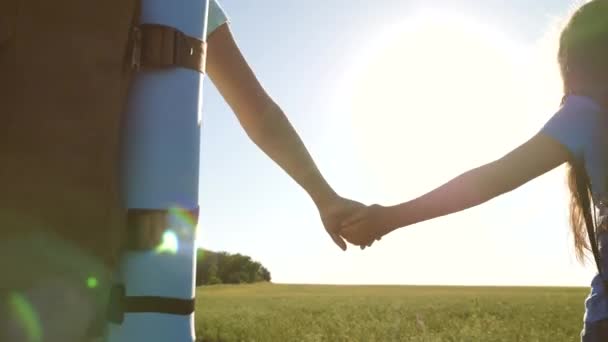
x,y
530,160
269,128
262,119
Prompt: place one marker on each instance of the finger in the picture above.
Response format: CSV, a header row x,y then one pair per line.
x,y
367,244
357,216
351,232
338,241
356,234
369,239
372,240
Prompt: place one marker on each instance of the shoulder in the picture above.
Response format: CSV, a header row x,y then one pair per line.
x,y
216,16
576,122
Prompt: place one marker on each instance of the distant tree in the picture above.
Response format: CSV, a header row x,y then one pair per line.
x,y
207,268
212,277
265,274
253,272
225,268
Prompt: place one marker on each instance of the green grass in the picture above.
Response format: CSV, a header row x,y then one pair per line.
x,y
266,312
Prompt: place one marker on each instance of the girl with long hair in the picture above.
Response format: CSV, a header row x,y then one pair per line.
x,y
577,135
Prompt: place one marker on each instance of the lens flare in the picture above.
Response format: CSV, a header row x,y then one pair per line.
x,y
170,243
26,316
183,216
183,221
92,282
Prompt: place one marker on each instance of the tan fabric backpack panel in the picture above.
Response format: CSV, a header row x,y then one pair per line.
x,y
64,78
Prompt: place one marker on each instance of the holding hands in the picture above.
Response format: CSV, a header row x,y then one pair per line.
x,y
333,212
366,225
354,222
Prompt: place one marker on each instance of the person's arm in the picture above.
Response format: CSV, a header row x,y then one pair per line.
x,y
261,118
530,160
268,127
265,124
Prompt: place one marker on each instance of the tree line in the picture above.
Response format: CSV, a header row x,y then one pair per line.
x,y
225,268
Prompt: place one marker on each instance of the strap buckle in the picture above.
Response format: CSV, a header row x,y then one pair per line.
x,y
159,46
136,51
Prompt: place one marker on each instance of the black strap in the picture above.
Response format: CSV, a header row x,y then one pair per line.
x,y
582,178
121,304
592,240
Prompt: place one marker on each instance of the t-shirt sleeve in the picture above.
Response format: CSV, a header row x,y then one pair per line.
x,y
574,123
216,18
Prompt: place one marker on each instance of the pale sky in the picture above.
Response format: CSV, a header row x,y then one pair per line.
x,y
393,98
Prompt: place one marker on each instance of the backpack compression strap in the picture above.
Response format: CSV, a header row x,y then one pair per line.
x,y
158,46
121,304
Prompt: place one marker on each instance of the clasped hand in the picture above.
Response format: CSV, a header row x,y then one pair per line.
x,y
354,222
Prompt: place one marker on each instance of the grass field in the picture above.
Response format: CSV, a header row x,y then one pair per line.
x,y
267,312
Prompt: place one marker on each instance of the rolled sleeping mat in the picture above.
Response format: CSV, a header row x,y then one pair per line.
x,y
153,299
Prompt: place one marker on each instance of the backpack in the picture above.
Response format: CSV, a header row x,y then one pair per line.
x,y
65,71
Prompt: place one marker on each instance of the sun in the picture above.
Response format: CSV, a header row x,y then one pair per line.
x,y
436,96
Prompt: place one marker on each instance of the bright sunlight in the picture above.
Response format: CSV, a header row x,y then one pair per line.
x,y
440,95
432,98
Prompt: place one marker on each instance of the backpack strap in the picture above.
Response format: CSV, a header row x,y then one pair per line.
x,y
591,233
582,178
158,46
120,304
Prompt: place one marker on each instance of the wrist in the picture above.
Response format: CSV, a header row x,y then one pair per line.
x,y
396,218
324,196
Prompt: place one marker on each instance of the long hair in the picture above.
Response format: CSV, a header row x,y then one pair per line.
x,y
583,60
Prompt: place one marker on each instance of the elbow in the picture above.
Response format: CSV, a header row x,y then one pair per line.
x,y
261,124
256,133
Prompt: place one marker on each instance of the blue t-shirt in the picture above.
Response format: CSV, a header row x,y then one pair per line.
x,y
581,125
216,17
